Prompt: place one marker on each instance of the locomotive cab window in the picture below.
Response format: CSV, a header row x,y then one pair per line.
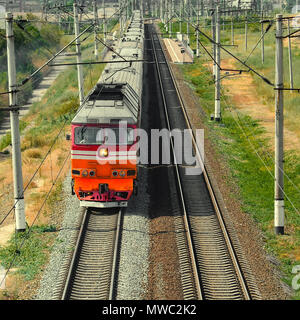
x,y
109,136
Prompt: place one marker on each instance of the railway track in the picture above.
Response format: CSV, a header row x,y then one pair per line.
x,y
208,261
217,273
93,266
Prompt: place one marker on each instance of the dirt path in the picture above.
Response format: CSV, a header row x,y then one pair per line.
x,y
251,104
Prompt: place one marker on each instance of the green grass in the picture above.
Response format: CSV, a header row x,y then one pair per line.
x,y
29,260
256,185
6,140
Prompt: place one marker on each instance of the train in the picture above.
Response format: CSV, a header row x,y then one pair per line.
x,y
104,130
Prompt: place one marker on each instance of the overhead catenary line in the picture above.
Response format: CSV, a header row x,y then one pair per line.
x,y
94,62
232,55
58,53
260,39
111,49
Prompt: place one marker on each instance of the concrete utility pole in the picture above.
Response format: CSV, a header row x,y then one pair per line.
x,y
246,31
188,21
104,21
213,33
170,18
290,58
217,76
78,55
120,18
232,30
166,16
279,173
198,26
262,34
95,28
14,123
180,14
127,11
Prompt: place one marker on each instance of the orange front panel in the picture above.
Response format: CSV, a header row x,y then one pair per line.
x,y
88,184
103,175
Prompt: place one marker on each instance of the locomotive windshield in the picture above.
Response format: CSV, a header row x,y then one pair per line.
x,y
108,136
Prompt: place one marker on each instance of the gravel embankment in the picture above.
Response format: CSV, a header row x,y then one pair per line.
x,y
54,275
133,263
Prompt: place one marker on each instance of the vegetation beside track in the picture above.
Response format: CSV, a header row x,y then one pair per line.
x,y
34,44
238,140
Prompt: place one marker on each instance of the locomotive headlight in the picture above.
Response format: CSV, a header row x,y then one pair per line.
x,y
92,173
122,173
115,173
84,173
103,152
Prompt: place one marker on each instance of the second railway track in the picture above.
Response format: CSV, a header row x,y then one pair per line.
x,y
218,269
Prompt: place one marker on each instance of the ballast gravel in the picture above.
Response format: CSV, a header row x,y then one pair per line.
x,y
133,264
57,268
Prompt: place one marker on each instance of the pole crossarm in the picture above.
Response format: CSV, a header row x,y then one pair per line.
x,y
93,62
290,35
288,89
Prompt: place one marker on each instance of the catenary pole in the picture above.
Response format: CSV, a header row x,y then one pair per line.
x,y
198,23
262,35
170,18
232,30
104,22
180,21
14,123
246,31
290,58
213,32
217,68
78,55
188,21
95,28
279,193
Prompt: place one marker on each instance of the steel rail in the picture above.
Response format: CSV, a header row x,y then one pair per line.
x,y
77,252
186,223
115,258
211,192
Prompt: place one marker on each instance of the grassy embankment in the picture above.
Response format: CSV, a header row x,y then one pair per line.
x,y
241,135
34,43
44,120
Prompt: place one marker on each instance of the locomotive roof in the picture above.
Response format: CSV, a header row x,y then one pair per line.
x,y
108,104
117,94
